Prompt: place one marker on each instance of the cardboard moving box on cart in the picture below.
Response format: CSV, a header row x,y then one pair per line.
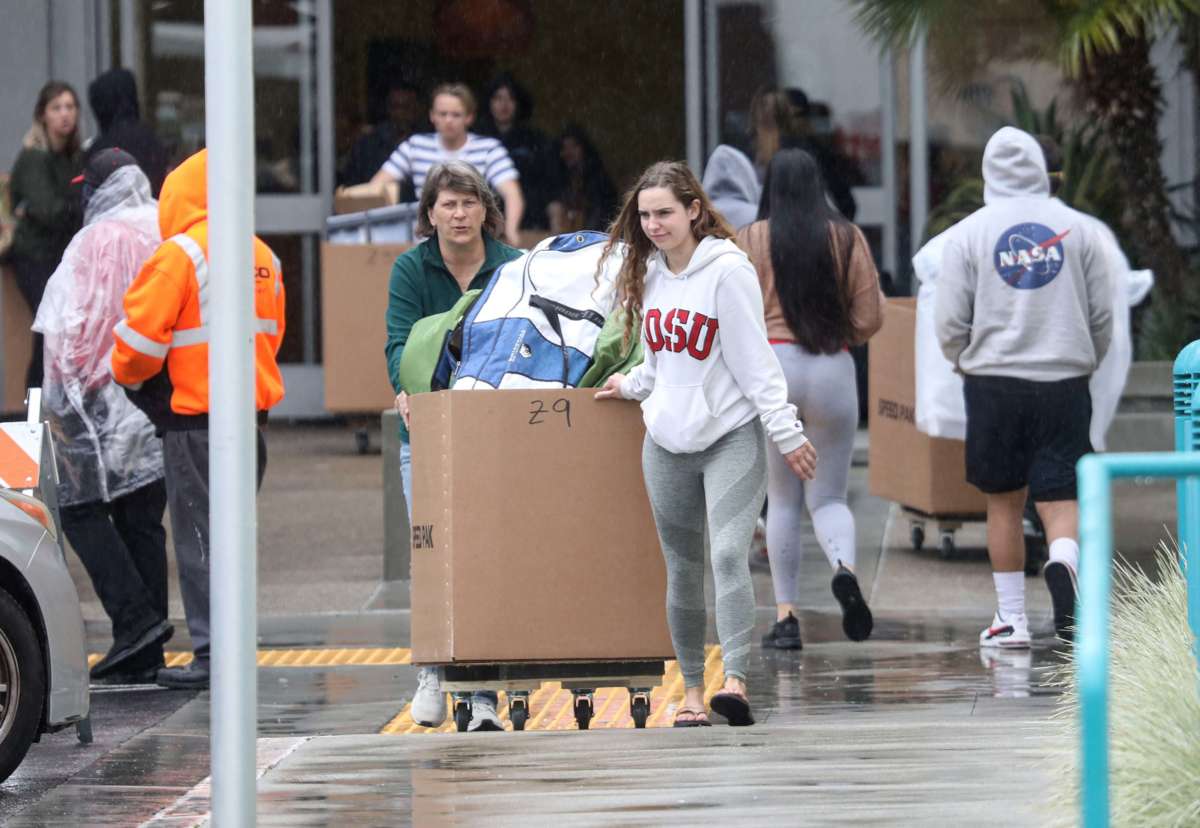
x,y
533,539
354,298
906,465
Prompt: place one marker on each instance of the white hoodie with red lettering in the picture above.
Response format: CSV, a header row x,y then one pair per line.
x,y
708,367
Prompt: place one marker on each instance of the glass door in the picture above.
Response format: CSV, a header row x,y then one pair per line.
x,y
293,141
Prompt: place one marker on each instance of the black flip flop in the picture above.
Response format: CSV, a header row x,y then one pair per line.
x,y
733,707
700,718
857,621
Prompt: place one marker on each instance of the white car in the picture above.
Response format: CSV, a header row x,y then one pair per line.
x,y
43,662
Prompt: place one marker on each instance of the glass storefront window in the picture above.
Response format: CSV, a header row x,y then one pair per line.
x,y
284,87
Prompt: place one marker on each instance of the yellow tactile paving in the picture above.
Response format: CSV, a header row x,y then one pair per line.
x,y
327,657
551,707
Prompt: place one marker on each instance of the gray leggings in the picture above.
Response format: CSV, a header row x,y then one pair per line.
x,y
823,389
723,485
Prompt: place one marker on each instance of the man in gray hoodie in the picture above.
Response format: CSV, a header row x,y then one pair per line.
x,y
1024,312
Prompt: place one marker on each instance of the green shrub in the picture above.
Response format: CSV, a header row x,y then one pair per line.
x,y
1154,706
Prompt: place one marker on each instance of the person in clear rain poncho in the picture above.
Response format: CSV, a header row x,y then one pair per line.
x,y
110,466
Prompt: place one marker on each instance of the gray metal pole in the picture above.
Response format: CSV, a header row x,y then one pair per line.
x,y
918,146
229,127
887,151
693,94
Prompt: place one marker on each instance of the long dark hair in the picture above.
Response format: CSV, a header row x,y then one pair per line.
x,y
677,177
811,245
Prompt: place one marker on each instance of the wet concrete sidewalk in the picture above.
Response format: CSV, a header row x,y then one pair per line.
x,y
911,727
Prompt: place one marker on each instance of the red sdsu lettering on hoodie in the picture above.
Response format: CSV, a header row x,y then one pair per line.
x,y
708,367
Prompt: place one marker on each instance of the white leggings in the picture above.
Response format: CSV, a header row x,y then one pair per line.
x,y
823,389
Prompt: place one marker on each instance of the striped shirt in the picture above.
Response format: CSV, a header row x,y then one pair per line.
x,y
415,157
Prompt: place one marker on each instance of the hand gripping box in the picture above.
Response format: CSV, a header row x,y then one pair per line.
x,y
907,466
533,538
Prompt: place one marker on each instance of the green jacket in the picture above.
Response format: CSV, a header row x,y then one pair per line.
x,y
40,192
420,286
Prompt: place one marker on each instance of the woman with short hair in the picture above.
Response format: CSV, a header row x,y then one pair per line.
x,y
459,220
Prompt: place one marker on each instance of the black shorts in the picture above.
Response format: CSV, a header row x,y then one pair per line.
x,y
1025,433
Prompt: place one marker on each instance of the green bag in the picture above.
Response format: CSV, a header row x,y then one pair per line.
x,y
427,341
609,356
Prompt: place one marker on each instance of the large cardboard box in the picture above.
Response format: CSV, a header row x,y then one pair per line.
x,y
368,196
533,538
354,298
16,340
907,466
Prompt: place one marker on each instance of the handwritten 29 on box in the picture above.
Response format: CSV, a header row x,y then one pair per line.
x,y
533,539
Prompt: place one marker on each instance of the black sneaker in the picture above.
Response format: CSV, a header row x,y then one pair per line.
x,y
129,676
124,653
1060,581
857,621
784,635
192,677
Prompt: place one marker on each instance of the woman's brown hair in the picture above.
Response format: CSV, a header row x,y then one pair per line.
x,y
47,94
677,177
458,177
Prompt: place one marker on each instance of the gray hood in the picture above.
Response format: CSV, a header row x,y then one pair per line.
x,y
1014,167
732,184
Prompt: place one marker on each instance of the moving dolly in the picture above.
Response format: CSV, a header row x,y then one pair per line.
x,y
519,680
1036,550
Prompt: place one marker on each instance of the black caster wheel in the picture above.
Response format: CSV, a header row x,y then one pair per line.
x,y
639,709
946,549
917,536
462,715
83,730
583,711
518,712
362,441
1035,555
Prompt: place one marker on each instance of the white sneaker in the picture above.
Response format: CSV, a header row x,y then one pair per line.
x,y
429,702
1009,633
483,716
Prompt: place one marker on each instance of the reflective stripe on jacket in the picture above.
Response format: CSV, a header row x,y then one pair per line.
x,y
167,309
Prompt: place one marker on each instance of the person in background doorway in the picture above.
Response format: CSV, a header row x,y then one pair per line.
x,y
732,184
779,119
510,109
113,97
712,391
1024,311
452,114
459,220
46,209
821,295
111,493
375,146
586,198
160,355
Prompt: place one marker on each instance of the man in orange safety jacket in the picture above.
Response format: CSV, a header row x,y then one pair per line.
x,y
166,326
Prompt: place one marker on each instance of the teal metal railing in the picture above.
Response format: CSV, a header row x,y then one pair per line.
x,y
1096,474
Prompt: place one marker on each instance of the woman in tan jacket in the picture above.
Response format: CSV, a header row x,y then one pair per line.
x,y
820,296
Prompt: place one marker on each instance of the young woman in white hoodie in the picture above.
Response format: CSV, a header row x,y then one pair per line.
x,y
711,390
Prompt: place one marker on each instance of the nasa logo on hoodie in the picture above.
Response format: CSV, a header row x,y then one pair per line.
x,y
1029,256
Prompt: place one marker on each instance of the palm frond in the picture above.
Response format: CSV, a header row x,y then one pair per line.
x,y
1096,27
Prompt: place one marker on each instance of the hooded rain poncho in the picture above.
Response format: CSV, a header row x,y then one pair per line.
x,y
105,447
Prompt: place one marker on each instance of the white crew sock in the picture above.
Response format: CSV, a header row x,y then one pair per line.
x,y
1065,550
1010,593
